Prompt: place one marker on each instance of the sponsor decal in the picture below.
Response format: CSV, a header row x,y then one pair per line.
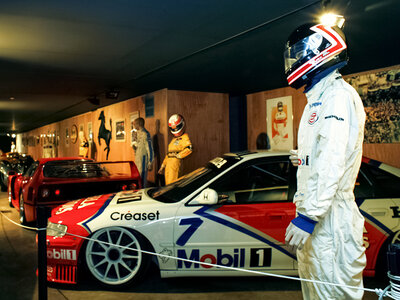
x,y
315,104
61,254
396,212
304,161
66,207
194,224
313,118
88,202
260,257
218,162
334,117
50,271
235,260
167,252
139,216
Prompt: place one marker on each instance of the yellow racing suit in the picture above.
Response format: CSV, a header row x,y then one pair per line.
x,y
179,148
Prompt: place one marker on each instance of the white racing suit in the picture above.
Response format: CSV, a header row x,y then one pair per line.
x,y
144,153
330,148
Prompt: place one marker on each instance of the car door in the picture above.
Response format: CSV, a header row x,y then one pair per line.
x,y
247,228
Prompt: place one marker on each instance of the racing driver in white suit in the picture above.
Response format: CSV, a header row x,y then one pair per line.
x,y
328,229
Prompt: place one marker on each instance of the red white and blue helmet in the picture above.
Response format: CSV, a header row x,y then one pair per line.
x,y
176,124
311,49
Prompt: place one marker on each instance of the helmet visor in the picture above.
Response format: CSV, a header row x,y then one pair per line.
x,y
177,128
307,47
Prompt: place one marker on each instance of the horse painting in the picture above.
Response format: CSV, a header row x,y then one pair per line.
x,y
104,133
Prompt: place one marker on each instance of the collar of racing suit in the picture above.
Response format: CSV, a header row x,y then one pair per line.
x,y
317,90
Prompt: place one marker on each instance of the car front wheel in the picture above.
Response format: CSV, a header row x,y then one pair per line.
x,y
115,259
3,185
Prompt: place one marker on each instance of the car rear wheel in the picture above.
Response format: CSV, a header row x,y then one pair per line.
x,y
111,264
22,218
3,185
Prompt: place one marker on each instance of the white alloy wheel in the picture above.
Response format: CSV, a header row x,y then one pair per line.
x,y
110,264
396,238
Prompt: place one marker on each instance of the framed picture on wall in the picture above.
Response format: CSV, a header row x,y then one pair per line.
x,y
379,91
120,130
132,117
66,136
280,123
74,134
90,131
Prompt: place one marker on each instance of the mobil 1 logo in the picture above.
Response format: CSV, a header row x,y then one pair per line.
x,y
260,257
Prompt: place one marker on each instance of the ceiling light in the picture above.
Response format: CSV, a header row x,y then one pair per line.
x,y
331,19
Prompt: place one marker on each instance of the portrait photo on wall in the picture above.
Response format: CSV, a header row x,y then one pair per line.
x,y
120,130
66,136
280,123
132,117
89,131
380,93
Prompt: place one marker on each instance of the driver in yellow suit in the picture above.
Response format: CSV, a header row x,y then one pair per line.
x,y
179,148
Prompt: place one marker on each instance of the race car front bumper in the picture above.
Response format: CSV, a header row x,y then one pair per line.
x,y
62,259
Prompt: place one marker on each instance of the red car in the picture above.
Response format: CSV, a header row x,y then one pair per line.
x,y
54,181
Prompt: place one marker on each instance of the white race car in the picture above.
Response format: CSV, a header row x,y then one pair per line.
x,y
233,212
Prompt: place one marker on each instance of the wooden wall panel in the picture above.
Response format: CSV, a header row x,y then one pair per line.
x,y
207,123
256,123
206,114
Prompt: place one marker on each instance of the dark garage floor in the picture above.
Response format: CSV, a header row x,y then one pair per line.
x,y
18,262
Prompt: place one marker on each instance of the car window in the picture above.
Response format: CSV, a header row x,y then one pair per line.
x,y
256,183
364,187
31,170
187,184
74,169
383,184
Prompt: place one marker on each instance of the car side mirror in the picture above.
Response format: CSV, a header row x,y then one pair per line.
x,y
208,197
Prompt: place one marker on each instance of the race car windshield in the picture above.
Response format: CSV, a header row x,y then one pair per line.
x,y
74,169
187,184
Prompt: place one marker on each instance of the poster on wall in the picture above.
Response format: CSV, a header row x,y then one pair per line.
x,y
132,117
120,130
280,123
380,93
66,137
90,131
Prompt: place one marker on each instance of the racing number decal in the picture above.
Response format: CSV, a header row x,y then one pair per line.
x,y
194,225
260,257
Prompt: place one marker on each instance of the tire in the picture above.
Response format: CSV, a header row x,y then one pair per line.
x,y
112,266
22,218
381,267
9,201
3,186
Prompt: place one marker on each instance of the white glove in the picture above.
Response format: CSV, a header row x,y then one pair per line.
x,y
295,237
294,157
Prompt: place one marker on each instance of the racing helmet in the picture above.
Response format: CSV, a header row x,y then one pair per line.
x,y
176,124
280,106
311,49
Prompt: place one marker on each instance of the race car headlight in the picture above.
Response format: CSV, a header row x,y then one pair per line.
x,y
57,230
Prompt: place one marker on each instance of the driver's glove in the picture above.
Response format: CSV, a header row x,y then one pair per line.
x,y
298,231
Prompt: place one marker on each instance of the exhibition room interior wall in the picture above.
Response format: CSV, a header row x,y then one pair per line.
x,y
207,121
381,150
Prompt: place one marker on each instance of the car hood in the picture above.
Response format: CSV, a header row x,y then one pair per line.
x,y
84,209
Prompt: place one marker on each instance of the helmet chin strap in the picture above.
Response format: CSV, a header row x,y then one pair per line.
x,y
322,74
